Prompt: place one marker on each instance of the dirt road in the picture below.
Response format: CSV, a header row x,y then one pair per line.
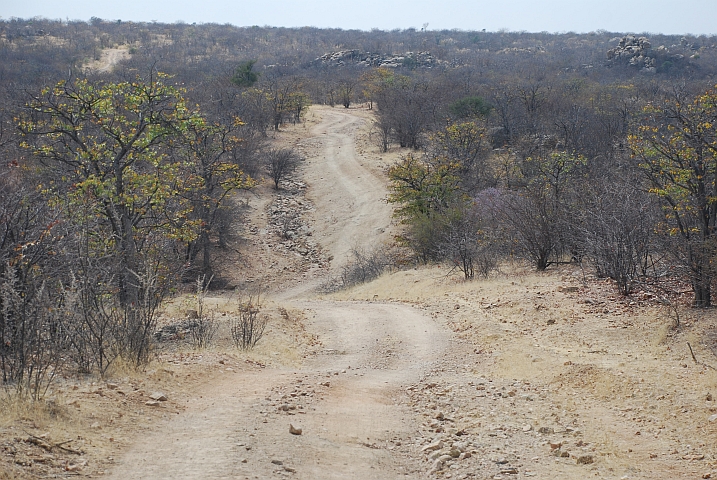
x,y
350,198
346,398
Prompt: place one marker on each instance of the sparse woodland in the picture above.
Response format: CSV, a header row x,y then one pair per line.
x,y
598,149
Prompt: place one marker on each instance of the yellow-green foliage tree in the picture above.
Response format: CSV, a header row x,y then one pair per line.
x,y
138,173
421,187
212,174
374,82
426,193
465,144
109,146
676,147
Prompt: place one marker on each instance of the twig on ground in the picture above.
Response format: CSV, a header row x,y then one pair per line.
x,y
695,358
44,444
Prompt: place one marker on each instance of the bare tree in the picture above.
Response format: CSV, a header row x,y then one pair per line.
x,y
346,88
248,328
617,229
471,238
537,210
365,265
281,162
205,327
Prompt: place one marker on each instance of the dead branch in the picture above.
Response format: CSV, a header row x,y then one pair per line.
x,y
44,444
695,358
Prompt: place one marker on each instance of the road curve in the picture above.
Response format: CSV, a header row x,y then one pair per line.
x,y
344,398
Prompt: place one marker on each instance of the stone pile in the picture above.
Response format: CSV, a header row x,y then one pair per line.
x,y
176,330
498,427
287,222
525,50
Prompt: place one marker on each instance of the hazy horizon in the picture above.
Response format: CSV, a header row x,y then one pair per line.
x,y
554,16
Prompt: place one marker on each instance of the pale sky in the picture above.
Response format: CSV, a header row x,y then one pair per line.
x,y
655,16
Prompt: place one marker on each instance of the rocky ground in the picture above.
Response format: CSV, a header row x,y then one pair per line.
x,y
552,377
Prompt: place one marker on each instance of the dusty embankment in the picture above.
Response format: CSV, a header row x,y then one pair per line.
x,y
554,376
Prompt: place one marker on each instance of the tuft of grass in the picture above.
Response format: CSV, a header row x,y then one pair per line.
x,y
14,408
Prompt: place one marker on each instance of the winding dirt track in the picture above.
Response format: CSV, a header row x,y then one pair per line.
x,y
352,426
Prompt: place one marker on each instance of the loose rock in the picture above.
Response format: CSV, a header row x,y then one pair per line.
x,y
159,397
433,446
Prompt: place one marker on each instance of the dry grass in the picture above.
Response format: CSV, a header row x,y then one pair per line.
x,y
284,341
108,59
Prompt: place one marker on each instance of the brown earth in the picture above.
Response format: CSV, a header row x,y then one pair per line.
x,y
108,59
418,374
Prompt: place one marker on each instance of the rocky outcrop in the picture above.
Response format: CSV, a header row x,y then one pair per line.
x,y
527,50
368,59
635,51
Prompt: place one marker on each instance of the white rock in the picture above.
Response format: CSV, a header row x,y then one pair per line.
x,y
433,446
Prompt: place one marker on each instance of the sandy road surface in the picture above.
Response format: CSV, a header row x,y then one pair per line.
x,y
344,398
350,199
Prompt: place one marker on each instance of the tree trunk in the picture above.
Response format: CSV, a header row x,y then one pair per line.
x,y
701,278
129,288
206,247
702,296
703,292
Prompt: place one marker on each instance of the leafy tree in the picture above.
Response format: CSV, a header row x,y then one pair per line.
x,y
425,193
109,142
423,187
470,107
374,82
297,105
110,146
465,144
442,221
676,147
244,74
213,174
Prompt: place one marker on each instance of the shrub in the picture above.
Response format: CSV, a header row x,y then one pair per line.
x,y
248,327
